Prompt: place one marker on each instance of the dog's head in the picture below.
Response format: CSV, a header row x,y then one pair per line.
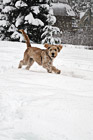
x,y
53,50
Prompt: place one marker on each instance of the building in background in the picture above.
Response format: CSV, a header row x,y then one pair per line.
x,y
65,16
81,22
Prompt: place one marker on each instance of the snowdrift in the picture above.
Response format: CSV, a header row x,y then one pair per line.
x,y
36,105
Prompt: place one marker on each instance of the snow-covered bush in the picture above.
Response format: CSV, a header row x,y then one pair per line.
x,y
51,35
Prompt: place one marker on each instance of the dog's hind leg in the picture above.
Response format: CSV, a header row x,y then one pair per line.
x,y
22,62
30,63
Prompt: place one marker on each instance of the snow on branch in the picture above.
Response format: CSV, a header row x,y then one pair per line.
x,y
34,21
20,3
12,28
4,23
8,9
17,35
35,9
19,20
6,1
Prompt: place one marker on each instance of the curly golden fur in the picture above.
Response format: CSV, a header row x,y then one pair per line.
x,y
43,57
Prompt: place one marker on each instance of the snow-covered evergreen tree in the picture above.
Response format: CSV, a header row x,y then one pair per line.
x,y
51,34
30,15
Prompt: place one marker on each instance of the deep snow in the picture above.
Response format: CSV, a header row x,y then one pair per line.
x,y
36,105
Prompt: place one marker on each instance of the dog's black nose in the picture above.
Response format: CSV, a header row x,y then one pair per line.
x,y
52,54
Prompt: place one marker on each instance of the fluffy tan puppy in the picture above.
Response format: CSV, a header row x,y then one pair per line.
x,y
43,57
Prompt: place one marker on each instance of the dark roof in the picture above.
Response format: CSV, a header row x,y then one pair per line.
x,y
60,1
62,9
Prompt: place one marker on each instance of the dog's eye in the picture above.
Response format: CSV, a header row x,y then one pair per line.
x,y
55,50
50,49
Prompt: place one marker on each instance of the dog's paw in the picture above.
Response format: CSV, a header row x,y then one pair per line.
x,y
58,71
49,71
19,67
27,68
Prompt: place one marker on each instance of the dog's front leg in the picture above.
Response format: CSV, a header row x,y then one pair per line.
x,y
49,69
56,70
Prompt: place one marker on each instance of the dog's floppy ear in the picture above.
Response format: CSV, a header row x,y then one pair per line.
x,y
59,47
47,46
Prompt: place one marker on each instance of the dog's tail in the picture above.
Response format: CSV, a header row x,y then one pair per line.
x,y
26,38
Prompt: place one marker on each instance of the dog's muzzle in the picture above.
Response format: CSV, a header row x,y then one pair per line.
x,y
53,54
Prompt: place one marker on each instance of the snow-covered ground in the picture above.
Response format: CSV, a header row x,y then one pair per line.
x,y
36,105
